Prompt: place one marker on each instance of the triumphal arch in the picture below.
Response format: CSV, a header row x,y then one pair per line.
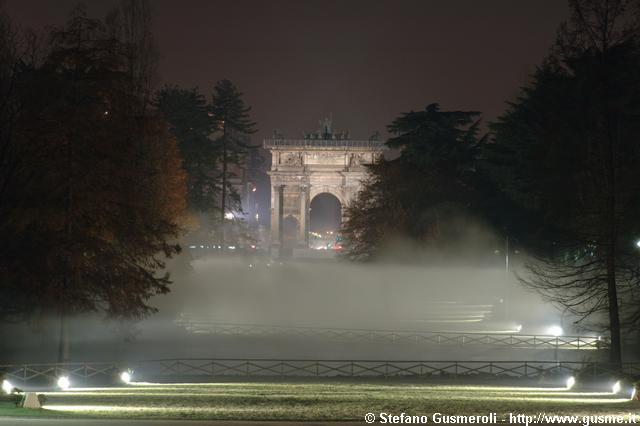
x,y
324,161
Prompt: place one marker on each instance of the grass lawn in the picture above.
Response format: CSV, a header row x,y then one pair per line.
x,y
319,401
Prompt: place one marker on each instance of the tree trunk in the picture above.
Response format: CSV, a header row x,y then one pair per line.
x,y
615,352
223,201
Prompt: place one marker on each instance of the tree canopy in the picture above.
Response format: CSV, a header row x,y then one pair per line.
x,y
419,194
95,202
566,152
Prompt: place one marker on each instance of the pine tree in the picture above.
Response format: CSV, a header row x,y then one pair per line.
x,y
233,122
417,195
188,115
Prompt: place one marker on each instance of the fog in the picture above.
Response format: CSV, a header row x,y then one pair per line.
x,y
239,306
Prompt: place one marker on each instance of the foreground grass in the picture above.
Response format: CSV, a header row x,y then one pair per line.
x,y
319,401
8,409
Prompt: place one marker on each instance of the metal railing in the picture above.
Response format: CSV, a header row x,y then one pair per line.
x,y
323,143
209,368
372,368
35,372
204,326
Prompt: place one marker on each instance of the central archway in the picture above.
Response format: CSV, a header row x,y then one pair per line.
x,y
325,217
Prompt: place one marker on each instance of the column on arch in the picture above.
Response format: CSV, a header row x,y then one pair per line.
x,y
276,214
303,231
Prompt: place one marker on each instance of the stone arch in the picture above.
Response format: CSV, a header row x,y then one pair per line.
x,y
324,215
337,192
302,169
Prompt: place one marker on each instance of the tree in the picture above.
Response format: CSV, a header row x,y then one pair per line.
x,y
566,153
106,193
231,116
417,195
130,22
187,113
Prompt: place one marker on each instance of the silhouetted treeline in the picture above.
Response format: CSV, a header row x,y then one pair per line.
x,y
98,171
558,173
213,141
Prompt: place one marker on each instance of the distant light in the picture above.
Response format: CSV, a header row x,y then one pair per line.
x,y
519,328
257,216
571,382
63,382
7,387
125,376
615,389
254,189
638,243
555,330
232,247
228,215
106,113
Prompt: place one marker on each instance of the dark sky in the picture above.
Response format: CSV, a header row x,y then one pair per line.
x,y
364,61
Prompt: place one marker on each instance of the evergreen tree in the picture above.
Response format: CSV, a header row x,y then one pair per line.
x,y
231,116
188,115
566,154
420,194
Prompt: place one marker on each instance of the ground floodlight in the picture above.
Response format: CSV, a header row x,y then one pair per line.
x,y
7,387
555,331
63,382
571,382
125,376
616,387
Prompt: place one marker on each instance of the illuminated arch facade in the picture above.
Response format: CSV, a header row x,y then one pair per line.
x,y
304,168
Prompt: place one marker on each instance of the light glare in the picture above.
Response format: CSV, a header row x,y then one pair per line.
x,y
125,377
616,387
7,387
555,331
571,382
64,383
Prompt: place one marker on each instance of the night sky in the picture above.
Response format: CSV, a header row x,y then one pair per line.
x,y
363,61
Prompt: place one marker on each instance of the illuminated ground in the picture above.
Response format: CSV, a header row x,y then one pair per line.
x,y
320,401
